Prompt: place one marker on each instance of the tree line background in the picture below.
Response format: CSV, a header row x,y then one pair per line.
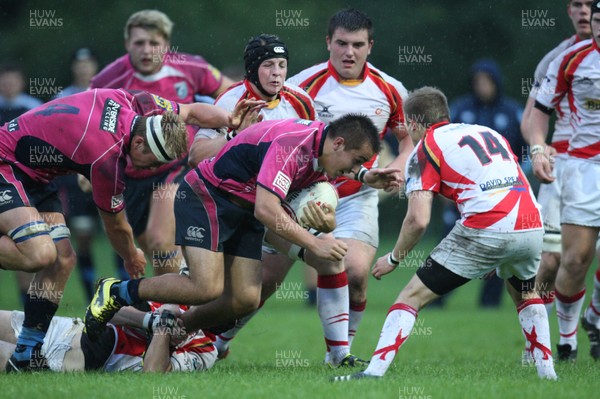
x,y
447,35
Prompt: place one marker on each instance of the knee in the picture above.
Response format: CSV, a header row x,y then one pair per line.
x,y
357,278
246,303
42,258
574,261
157,241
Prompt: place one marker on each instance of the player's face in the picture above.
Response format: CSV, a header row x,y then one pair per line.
x,y
348,52
147,49
272,74
340,161
596,27
579,11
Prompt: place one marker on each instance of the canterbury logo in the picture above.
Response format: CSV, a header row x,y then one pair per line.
x,y
278,49
5,196
195,232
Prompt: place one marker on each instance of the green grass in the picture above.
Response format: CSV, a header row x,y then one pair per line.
x,y
460,351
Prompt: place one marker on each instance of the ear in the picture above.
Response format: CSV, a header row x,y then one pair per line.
x,y
370,47
328,41
339,143
138,143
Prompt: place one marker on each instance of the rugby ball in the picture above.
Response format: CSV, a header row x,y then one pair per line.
x,y
296,203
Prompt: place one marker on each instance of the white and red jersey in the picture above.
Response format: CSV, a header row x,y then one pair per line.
x,y
562,128
375,94
131,344
280,156
575,74
87,133
181,77
291,102
474,166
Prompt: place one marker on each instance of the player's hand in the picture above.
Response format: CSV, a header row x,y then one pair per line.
x,y
136,267
243,109
382,267
84,184
327,247
543,165
320,218
385,178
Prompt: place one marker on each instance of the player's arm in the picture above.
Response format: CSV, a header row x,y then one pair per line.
x,y
158,354
415,223
119,233
211,116
405,147
540,153
269,212
203,148
526,119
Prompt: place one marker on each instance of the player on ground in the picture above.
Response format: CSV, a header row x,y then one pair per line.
x,y
549,194
574,75
134,341
226,203
152,65
91,133
500,228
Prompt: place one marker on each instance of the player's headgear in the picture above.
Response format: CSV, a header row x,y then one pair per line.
x,y
259,49
595,8
156,139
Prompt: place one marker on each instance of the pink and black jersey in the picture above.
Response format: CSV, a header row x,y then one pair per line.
x,y
474,166
181,77
375,94
87,133
279,155
575,75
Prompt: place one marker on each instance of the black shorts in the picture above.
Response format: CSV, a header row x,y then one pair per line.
x,y
138,194
19,190
75,201
206,218
96,353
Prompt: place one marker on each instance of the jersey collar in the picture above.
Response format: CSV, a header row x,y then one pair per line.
x,y
435,126
251,94
348,82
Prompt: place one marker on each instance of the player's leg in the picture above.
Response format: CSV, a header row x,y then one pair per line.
x,y
590,321
160,230
358,226
578,253
6,332
6,349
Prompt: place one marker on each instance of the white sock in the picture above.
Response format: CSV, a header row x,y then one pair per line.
x,y
332,305
592,313
568,310
222,340
396,329
534,324
357,310
549,302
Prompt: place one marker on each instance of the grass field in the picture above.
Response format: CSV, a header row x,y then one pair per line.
x,y
458,352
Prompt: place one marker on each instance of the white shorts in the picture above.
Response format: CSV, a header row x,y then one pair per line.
x,y
549,198
472,253
357,217
580,201
58,340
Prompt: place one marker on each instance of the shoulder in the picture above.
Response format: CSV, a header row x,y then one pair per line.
x,y
389,80
112,71
307,73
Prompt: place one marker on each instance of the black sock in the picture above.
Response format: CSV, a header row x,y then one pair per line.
x,y
39,313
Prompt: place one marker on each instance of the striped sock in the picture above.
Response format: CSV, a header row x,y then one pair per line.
x,y
592,313
332,305
357,310
396,329
568,309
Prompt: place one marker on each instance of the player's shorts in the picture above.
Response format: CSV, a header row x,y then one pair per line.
x,y
80,211
58,339
206,217
580,201
356,217
549,198
139,192
472,253
18,190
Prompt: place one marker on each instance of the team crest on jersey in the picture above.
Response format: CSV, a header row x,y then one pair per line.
x,y
304,122
181,89
13,125
282,181
162,103
116,201
110,116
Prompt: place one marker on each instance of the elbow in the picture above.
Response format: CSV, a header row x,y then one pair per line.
x,y
417,224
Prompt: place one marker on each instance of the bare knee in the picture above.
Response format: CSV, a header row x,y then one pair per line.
x,y
246,303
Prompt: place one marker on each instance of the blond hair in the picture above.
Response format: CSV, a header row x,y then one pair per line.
x,y
150,20
426,106
175,134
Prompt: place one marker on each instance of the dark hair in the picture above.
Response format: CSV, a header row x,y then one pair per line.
x,y
426,106
356,129
351,20
11,67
